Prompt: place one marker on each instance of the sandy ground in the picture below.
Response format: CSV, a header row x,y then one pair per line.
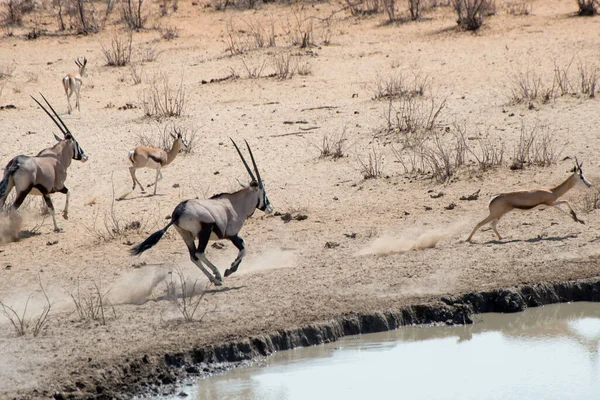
x,y
407,246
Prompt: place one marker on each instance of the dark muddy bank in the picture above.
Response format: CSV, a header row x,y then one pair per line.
x,y
158,373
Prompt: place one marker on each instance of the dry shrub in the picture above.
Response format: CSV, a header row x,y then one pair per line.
x,y
21,322
161,100
14,10
186,295
470,13
261,35
285,65
373,167
398,85
304,68
169,33
411,119
164,138
148,53
415,8
299,28
529,86
254,71
119,52
91,301
131,13
333,146
588,78
591,201
587,7
535,147
518,7
136,73
364,7
7,70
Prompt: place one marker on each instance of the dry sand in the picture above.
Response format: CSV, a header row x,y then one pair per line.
x,y
402,253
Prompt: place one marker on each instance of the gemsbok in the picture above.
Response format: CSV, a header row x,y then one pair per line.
x,y
153,158
72,83
220,217
46,172
502,203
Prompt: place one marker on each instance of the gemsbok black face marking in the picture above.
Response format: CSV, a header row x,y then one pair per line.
x,y
46,172
220,217
528,199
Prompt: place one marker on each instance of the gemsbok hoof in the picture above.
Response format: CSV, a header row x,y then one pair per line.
x,y
217,282
65,216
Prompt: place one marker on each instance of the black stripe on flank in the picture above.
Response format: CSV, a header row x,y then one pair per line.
x,y
154,158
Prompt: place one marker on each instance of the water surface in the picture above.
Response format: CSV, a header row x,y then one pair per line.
x,y
548,352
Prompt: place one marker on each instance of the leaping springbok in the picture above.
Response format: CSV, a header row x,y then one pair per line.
x,y
44,173
72,83
502,203
150,157
220,217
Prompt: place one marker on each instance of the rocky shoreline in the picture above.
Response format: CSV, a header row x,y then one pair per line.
x,y
160,373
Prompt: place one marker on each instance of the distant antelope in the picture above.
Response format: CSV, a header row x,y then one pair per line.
x,y
72,83
220,217
44,173
502,203
150,157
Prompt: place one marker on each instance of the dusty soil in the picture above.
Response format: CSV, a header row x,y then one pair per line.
x,y
390,243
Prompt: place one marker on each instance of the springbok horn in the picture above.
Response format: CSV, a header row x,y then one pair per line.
x,y
577,164
50,115
243,160
57,116
254,163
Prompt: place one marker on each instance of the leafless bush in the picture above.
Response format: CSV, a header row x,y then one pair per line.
x,y
535,147
587,7
7,70
262,36
119,52
185,294
470,13
488,154
519,7
390,9
285,66
529,86
333,145
233,40
14,11
562,85
588,78
414,7
161,100
254,71
304,68
373,167
136,73
168,5
21,322
412,119
364,7
591,201
149,53
170,33
82,15
131,12
299,29
164,138
397,85
91,301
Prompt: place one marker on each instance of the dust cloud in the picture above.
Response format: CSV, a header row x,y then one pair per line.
x,y
10,226
136,287
410,240
269,259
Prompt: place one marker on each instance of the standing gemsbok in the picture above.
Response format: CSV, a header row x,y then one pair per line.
x,y
153,158
72,83
44,173
220,217
502,203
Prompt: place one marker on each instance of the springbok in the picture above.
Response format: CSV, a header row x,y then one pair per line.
x,y
502,203
150,157
72,83
46,172
220,217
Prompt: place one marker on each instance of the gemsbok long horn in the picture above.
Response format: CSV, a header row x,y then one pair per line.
x,y
244,160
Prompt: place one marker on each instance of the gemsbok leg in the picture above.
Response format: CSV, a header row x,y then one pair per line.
x,y
188,238
239,243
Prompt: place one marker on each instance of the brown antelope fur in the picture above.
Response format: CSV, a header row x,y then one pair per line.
x,y
150,157
501,204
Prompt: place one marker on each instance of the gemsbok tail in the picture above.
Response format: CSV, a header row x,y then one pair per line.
x,y
150,241
6,185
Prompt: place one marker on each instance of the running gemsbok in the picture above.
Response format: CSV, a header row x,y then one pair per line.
x,y
44,173
72,83
502,203
220,217
150,157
